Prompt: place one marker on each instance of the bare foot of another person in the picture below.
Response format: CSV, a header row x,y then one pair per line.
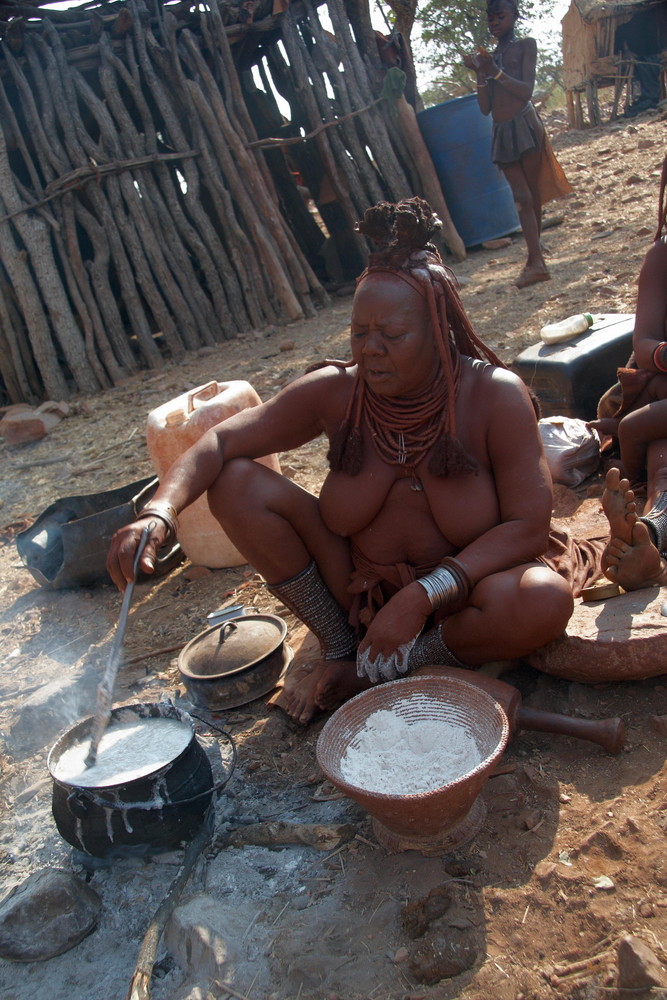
x,y
604,425
618,503
338,683
635,565
531,275
297,695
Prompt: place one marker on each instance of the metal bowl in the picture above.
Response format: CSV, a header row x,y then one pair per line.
x,y
235,662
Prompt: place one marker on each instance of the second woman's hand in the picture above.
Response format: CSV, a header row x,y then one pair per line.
x,y
384,651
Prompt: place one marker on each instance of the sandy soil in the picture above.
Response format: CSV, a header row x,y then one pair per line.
x,y
571,855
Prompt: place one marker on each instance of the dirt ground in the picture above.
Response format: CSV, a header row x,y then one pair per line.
x,y
571,855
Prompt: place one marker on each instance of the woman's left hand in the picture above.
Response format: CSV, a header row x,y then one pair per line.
x,y
384,651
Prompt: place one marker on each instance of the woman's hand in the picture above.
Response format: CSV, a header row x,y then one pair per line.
x,y
383,653
123,548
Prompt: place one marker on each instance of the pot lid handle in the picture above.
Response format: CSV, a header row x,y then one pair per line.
x,y
226,631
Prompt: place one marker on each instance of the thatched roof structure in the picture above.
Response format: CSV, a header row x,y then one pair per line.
x,y
173,174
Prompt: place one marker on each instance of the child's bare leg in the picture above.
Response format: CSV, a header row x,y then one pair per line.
x,y
529,210
656,471
636,431
531,164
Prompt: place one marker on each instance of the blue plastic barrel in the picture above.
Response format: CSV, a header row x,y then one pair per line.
x,y
479,199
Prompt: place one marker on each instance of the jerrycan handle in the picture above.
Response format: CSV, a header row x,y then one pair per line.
x,y
203,392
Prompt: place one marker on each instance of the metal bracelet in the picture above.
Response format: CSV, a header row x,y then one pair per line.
x,y
442,587
165,511
660,356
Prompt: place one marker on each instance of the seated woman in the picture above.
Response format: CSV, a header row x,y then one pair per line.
x,y
639,420
427,543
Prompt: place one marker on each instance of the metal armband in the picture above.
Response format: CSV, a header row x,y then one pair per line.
x,y
447,584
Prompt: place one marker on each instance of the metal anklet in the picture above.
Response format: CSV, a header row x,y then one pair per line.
x,y
656,522
430,650
308,597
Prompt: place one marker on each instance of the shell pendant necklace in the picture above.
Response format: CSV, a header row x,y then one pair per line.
x,y
402,456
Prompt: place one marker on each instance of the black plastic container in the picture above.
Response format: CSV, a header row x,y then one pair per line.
x,y
146,815
569,378
68,543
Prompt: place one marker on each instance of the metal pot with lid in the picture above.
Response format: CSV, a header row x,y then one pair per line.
x,y
235,662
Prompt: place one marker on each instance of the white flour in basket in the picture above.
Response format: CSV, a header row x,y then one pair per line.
x,y
396,756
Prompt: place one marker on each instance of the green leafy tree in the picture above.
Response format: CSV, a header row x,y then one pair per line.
x,y
449,30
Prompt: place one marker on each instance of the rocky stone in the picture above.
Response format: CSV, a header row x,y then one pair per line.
x,y
441,955
22,424
659,723
417,917
544,872
602,841
203,936
638,967
45,915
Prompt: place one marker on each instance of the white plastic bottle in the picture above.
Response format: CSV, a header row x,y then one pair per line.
x,y
170,430
553,333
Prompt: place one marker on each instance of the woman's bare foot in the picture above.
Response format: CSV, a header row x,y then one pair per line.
x,y
337,683
618,503
317,685
531,275
636,564
297,695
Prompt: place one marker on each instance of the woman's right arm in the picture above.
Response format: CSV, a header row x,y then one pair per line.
x,y
651,312
298,413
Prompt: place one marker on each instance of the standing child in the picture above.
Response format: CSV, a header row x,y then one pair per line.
x,y
521,147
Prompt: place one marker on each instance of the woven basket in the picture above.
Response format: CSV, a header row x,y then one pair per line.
x,y
423,817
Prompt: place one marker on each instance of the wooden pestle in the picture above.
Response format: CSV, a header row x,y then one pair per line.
x,y
608,733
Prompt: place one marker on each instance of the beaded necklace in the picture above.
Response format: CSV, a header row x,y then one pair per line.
x,y
499,53
403,431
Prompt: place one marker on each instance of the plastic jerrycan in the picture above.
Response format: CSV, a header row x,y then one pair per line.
x,y
170,430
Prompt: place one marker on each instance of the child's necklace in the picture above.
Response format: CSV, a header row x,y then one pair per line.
x,y
500,52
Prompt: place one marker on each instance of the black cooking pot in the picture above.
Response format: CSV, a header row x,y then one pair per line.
x,y
235,662
145,815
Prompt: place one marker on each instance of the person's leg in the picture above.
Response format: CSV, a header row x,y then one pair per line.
x,y
656,471
528,207
636,431
510,614
278,528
